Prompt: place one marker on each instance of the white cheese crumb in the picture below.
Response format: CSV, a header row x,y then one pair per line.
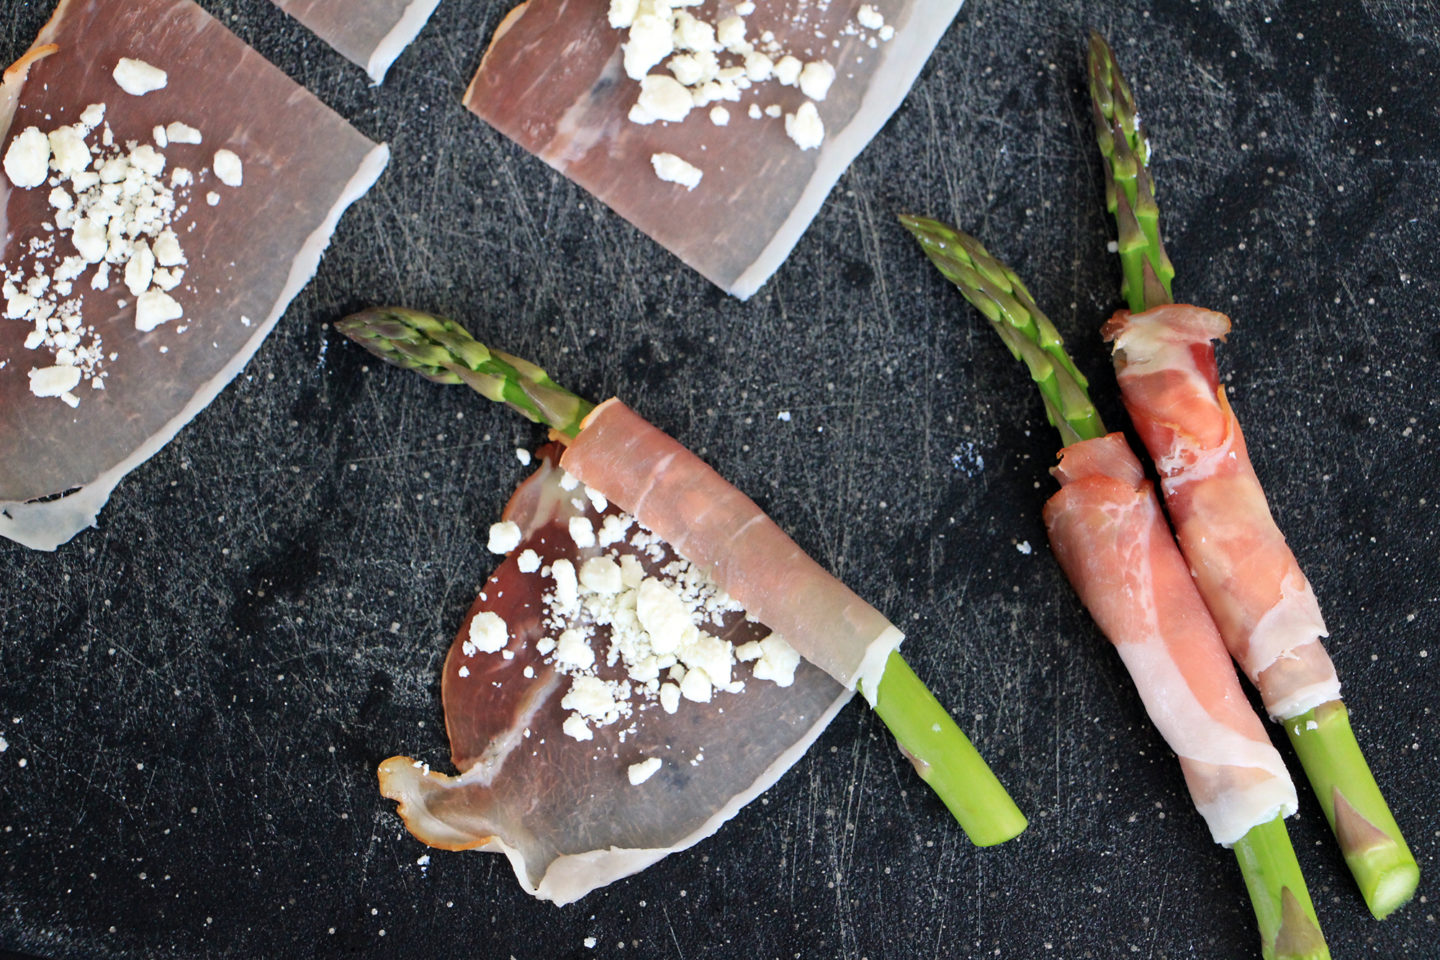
x,y
178,132
642,771
228,168
53,381
816,78
869,18
744,9
567,587
590,697
778,661
597,500
568,481
804,127
153,308
528,561
488,632
464,671
663,615
773,110
212,198
1024,547
695,686
754,111
601,575
28,160
575,726
652,39
523,456
140,269
730,32
719,116
69,153
787,71
622,13
573,651
661,98
672,169
167,249
137,78
91,116
582,531
504,536
887,33
162,140
669,697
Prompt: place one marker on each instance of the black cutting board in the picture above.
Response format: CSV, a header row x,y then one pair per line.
x,y
200,689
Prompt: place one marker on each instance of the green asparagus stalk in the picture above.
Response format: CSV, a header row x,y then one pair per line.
x,y
443,351
1371,841
1284,913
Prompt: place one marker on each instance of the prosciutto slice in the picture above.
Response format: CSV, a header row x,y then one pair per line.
x,y
247,254
1260,599
553,80
369,33
565,811
718,528
1108,533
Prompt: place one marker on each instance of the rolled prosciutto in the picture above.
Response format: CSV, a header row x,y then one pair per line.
x,y
715,526
1108,533
1260,599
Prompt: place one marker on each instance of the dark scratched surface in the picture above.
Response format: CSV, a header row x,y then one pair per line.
x,y
194,695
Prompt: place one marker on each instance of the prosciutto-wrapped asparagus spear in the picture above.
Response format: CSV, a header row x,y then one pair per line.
x,y
1262,602
723,533
1111,539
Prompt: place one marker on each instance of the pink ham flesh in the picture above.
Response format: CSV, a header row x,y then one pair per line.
x,y
1262,602
247,256
563,810
1107,531
552,81
722,531
370,33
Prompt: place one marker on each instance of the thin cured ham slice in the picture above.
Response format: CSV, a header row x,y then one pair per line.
x,y
249,244
1260,599
718,528
566,811
554,81
368,33
1111,539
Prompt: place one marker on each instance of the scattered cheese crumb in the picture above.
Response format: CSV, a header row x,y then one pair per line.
x,y
672,169
228,168
155,307
642,771
582,531
1024,547
53,381
787,70
178,132
816,78
719,116
488,632
28,159
804,127
528,561
869,18
575,726
136,77
504,537
523,456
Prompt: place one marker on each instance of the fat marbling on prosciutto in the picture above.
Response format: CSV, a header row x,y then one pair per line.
x,y
1109,535
368,33
1259,597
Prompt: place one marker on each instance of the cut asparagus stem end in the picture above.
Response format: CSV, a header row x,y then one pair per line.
x,y
997,292
1374,848
945,758
1146,271
443,351
1289,929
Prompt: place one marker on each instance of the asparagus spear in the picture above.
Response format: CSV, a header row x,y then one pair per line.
x,y
1371,841
443,351
1284,912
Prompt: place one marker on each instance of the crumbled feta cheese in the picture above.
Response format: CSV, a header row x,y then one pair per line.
x,y
528,561
754,111
504,536
669,697
228,168
601,575
155,307
773,110
869,18
212,198
730,33
69,153
787,70
178,132
523,456
488,632
661,98
53,381
572,650
642,771
140,269
696,687
777,662
91,116
651,40
816,78
567,587
663,615
804,127
672,169
159,136
28,160
582,531
758,67
590,697
719,116
576,727
137,78
167,249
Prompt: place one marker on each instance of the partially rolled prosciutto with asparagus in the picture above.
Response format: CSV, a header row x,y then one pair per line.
x,y
566,825
1264,605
